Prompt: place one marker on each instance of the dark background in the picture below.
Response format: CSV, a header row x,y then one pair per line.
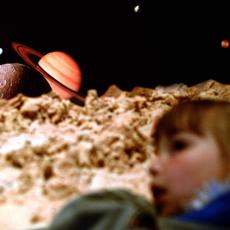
x,y
161,44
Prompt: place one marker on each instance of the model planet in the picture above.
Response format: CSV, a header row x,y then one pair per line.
x,y
59,69
64,68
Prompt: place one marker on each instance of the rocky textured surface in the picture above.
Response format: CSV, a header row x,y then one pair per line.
x,y
53,150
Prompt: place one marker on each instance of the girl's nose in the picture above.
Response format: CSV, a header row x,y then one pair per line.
x,y
155,167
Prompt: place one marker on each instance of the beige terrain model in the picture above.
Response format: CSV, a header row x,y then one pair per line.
x,y
53,150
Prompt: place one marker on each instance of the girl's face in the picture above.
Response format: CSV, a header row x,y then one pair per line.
x,y
185,163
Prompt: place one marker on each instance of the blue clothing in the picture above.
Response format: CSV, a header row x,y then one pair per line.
x,y
215,213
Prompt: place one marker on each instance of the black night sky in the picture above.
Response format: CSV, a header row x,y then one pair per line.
x,y
116,43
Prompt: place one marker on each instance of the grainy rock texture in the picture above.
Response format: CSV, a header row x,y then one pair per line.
x,y
53,150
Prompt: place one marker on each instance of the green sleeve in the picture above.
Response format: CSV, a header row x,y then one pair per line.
x,y
106,210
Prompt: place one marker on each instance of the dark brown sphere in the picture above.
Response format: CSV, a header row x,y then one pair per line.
x,y
18,78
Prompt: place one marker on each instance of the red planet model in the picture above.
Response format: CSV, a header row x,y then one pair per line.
x,y
225,43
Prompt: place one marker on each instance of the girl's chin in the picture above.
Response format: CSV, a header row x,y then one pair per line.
x,y
168,210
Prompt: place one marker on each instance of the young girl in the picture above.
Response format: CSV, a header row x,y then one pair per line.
x,y
191,176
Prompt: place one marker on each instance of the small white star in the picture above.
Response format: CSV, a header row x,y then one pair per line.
x,y
136,8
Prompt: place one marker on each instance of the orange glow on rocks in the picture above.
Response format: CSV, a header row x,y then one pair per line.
x,y
63,68
225,43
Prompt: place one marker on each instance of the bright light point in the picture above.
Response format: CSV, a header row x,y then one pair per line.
x,y
136,8
1,51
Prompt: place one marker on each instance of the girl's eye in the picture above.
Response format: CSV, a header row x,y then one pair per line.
x,y
178,145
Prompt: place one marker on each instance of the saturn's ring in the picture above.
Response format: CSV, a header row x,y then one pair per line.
x,y
25,52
